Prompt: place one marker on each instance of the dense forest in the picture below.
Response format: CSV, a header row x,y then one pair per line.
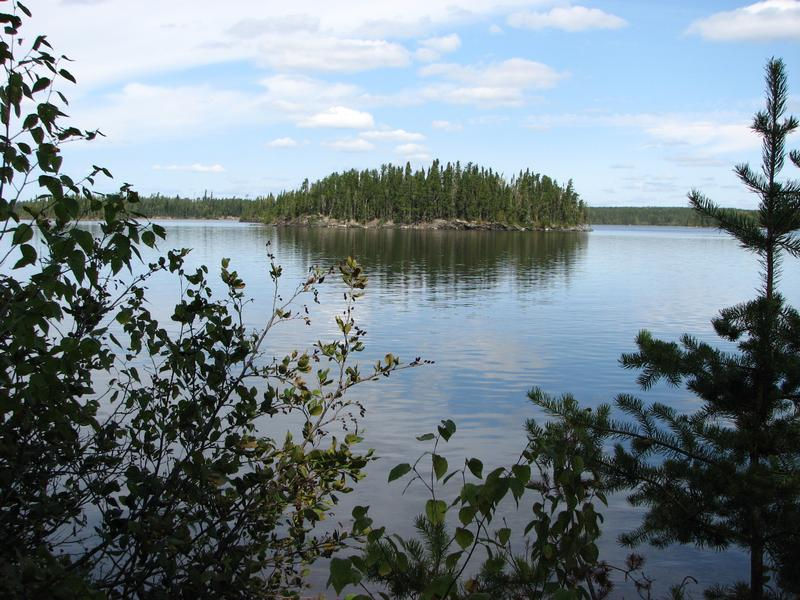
x,y
648,215
399,195
402,195
295,204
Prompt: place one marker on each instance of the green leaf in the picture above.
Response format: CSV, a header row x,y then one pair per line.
x,y
84,238
439,465
425,437
149,238
77,262
475,467
359,512
124,316
447,429
435,510
30,122
466,514
28,256
399,471
342,574
67,75
522,473
40,84
464,537
503,535
452,560
22,234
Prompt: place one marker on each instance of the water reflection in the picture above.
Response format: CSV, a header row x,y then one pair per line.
x,y
499,312
446,262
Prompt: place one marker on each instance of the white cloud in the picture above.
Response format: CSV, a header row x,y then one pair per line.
x,y
339,117
314,52
141,112
514,72
709,134
567,18
411,149
496,84
767,20
299,93
255,27
432,48
350,145
193,168
284,142
392,135
712,135
308,34
480,95
495,29
413,152
447,126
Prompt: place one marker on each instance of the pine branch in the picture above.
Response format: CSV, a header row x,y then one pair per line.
x,y
739,225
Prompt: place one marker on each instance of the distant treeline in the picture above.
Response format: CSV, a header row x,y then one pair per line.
x,y
647,215
176,207
206,207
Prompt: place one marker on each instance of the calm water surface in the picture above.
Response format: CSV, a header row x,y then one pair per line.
x,y
499,313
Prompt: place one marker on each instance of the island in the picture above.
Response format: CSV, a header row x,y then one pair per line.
x,y
450,196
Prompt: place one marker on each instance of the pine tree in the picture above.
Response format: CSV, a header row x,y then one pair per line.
x,y
728,474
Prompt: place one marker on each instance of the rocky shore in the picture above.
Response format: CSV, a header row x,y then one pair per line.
x,y
438,224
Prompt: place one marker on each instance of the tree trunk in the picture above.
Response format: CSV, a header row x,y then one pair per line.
x,y
756,556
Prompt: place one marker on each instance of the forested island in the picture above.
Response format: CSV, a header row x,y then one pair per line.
x,y
467,194
471,197
449,196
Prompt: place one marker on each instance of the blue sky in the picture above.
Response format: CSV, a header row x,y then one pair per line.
x,y
637,102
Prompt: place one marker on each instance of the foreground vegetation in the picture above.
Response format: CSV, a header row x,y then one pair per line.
x,y
132,464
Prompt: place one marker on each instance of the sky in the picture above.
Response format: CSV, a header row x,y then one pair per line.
x,y
636,101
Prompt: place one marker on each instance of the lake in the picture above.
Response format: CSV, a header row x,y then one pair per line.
x,y
499,313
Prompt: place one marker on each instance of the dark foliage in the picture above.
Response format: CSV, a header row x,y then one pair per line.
x,y
452,191
728,474
679,216
132,458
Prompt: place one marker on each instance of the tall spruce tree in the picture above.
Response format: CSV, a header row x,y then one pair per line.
x,y
729,473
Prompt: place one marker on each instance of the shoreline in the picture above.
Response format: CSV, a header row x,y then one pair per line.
x,y
435,225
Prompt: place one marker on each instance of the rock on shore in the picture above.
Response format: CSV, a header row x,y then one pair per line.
x,y
438,224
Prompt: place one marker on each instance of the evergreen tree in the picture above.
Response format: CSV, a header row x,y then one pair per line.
x,y
728,474
403,195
